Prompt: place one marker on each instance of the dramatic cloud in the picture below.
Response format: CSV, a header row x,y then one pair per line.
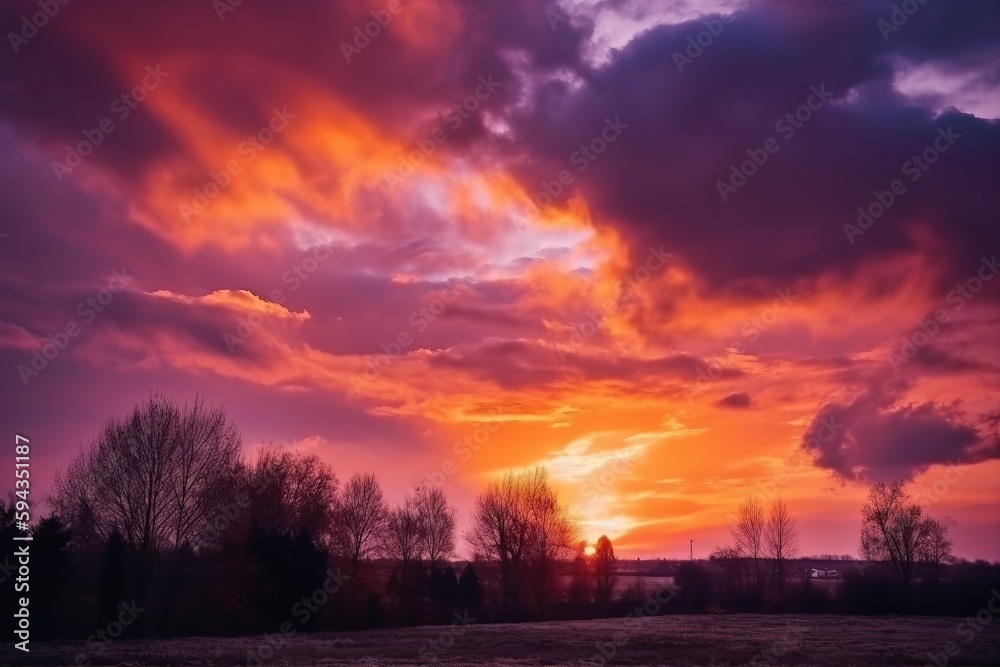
x,y
730,242
876,438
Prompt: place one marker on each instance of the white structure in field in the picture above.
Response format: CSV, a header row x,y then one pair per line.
x,y
823,574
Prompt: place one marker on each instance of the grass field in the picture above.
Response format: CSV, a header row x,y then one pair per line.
x,y
665,640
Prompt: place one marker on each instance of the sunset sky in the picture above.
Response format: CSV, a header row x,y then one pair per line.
x,y
438,240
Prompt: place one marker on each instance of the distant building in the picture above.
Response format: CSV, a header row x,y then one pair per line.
x,y
819,573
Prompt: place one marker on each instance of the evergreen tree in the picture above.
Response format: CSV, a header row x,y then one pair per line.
x,y
469,591
52,565
111,586
448,587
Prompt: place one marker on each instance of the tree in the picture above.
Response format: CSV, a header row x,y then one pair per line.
x,y
519,523
290,493
448,587
748,529
403,538
730,561
551,538
52,565
605,567
204,465
111,584
362,514
581,585
157,476
695,586
72,500
895,531
436,523
499,531
937,550
781,536
469,590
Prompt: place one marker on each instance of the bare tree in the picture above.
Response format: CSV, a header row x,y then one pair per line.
x,y
748,529
894,530
361,518
499,532
781,538
605,568
289,492
550,540
436,523
72,499
157,476
403,535
937,550
518,521
206,467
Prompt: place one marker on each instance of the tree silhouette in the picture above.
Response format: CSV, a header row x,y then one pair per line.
x,y
748,529
111,586
362,515
402,539
519,522
469,591
605,567
52,563
436,523
781,537
895,531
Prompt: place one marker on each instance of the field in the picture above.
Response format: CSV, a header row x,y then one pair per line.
x,y
665,640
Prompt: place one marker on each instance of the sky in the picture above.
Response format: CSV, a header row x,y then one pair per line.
x,y
678,253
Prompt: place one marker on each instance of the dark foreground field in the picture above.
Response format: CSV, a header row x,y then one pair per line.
x,y
664,640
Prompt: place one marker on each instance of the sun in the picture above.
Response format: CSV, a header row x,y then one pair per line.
x,y
589,550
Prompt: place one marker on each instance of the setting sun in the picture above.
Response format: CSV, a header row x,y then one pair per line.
x,y
402,304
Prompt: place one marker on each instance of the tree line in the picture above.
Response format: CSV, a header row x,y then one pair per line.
x,y
162,510
162,507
